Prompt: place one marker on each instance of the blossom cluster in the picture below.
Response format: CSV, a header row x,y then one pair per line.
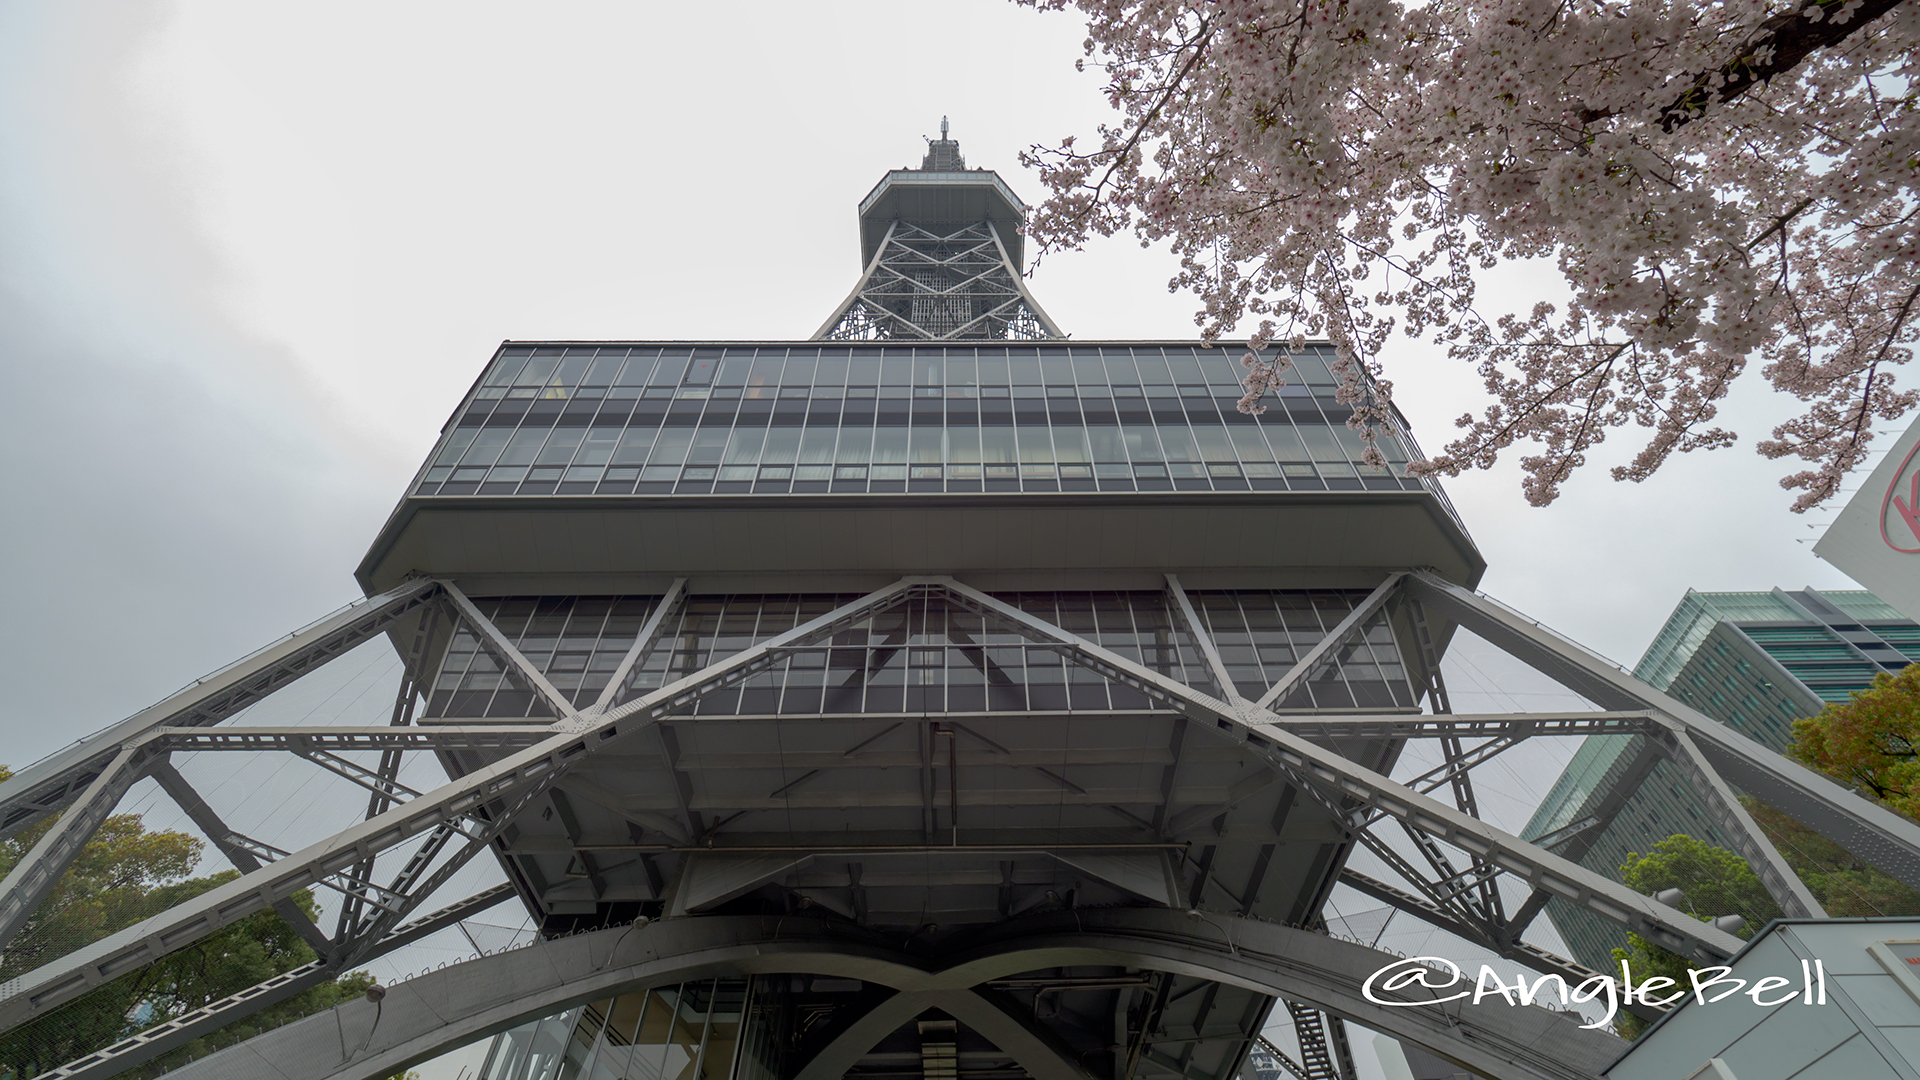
x,y
1720,182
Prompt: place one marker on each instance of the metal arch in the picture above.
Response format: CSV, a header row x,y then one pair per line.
x,y
464,1002
1030,1049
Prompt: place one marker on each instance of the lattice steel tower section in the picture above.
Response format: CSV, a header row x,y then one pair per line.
x,y
965,704
941,249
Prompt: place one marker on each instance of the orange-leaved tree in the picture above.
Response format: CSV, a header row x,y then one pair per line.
x,y
1871,741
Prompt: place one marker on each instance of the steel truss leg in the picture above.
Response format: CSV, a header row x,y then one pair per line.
x,y
476,805
45,786
1607,686
1350,791
34,876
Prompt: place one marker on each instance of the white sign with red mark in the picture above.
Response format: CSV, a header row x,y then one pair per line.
x,y
1876,538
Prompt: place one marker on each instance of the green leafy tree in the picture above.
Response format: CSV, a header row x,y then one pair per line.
x,y
1716,882
1870,740
123,875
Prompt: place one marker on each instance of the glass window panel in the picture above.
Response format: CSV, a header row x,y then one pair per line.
x,y
559,449
1321,444
963,371
1179,442
890,446
660,1048
926,446
799,371
816,447
745,447
486,446
1213,442
993,369
1286,442
574,366
605,367
1249,442
1143,444
997,446
1350,441
782,444
457,444
708,444
1106,442
896,371
863,370
1312,370
598,447
1035,446
1070,444
963,445
671,447
733,370
1121,369
1153,367
702,367
926,371
639,366
537,371
634,444
832,372
1025,369
505,368
764,377
669,370
526,443
1186,369
855,445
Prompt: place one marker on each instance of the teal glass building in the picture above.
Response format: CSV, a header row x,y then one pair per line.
x,y
1755,661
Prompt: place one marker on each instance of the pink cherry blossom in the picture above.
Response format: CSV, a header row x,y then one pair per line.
x,y
1719,182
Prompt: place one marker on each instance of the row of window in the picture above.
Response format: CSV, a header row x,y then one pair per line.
x,y
930,366
921,655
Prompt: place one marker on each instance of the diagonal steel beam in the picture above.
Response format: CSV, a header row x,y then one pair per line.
x,y
34,876
1310,664
1341,783
1888,840
492,793
1795,899
509,657
1191,618
642,643
56,780
245,853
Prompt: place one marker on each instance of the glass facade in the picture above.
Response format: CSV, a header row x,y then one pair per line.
x,y
687,1031
925,655
1755,661
607,419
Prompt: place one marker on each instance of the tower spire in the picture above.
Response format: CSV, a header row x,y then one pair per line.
x,y
941,250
